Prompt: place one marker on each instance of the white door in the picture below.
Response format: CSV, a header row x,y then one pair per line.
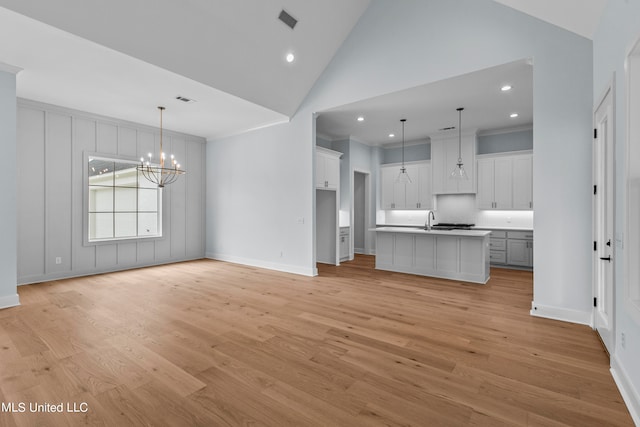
x,y
603,220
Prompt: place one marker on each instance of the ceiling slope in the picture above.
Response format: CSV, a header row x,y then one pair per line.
x,y
237,47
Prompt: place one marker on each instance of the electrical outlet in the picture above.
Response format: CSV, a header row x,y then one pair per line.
x,y
623,340
58,260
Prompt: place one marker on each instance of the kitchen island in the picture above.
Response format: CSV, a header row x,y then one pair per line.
x,y
449,254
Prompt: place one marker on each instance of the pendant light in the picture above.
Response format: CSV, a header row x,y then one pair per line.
x,y
164,174
403,176
458,171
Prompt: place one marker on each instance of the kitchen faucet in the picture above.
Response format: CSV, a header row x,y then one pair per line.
x,y
427,224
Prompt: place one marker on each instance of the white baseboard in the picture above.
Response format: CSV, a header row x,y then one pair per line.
x,y
559,313
286,268
629,393
9,301
28,280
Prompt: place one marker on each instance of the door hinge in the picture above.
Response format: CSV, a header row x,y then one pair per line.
x,y
595,301
595,134
595,189
595,246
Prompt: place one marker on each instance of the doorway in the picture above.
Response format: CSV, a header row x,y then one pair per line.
x,y
326,223
360,208
603,218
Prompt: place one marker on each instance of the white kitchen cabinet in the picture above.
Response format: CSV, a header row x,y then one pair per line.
x,y
344,243
495,183
520,248
498,247
444,156
392,194
418,193
414,195
327,168
458,255
505,182
523,182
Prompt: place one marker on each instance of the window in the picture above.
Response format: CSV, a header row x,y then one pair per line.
x,y
122,203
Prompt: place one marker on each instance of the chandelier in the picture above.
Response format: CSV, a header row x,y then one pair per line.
x,y
163,174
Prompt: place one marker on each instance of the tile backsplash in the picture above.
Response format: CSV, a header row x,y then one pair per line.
x,y
458,208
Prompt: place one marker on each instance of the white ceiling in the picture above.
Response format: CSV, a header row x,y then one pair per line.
x,y
431,107
123,58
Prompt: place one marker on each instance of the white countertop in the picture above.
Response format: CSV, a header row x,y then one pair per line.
x,y
421,230
480,227
477,227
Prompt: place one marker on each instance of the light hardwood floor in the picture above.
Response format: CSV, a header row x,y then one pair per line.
x,y
209,343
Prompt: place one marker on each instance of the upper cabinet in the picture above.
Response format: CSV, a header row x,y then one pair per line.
x,y
444,156
327,168
523,182
414,195
495,183
505,182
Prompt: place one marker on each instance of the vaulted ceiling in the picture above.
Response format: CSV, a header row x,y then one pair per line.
x,y
122,58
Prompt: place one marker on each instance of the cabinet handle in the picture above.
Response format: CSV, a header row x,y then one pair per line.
x,y
393,205
530,204
326,183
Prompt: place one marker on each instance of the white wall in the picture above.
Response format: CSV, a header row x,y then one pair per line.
x,y
618,29
52,143
394,46
260,197
8,294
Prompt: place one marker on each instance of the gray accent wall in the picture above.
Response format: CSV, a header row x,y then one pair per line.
x,y
505,142
412,153
52,146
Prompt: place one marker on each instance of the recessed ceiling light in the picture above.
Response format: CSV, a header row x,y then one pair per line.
x,y
505,88
513,115
392,135
360,119
290,57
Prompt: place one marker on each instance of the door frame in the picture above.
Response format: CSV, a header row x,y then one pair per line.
x,y
367,212
597,165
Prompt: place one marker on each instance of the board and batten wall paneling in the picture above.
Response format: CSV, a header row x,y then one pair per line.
x,y
84,140
163,246
195,154
8,186
52,144
30,193
57,187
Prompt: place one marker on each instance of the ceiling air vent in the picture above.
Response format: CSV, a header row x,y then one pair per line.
x,y
289,20
184,99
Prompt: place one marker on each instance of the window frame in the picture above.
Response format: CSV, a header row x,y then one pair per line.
x,y
85,203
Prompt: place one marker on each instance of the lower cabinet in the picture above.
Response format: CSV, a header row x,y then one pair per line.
x,y
344,243
511,248
448,256
520,248
498,247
